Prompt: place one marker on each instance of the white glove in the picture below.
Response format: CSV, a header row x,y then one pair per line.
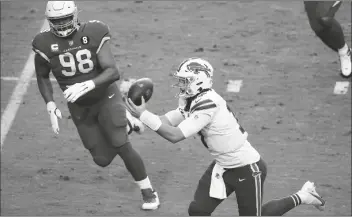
x,y
134,124
73,92
54,113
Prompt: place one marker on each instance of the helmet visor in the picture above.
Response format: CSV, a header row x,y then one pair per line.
x,y
62,24
183,83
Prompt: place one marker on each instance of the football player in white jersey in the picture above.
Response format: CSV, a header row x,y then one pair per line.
x,y
238,166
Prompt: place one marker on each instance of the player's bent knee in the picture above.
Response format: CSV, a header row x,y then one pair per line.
x,y
195,209
316,26
326,22
320,24
102,161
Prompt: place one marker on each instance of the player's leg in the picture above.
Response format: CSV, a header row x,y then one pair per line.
x,y
92,137
248,186
324,25
307,195
113,121
203,204
328,29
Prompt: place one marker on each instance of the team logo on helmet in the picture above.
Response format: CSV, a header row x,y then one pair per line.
x,y
197,67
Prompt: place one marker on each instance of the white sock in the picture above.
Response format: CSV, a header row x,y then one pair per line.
x,y
144,184
343,50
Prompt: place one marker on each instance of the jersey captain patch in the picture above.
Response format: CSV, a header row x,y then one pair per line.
x,y
54,47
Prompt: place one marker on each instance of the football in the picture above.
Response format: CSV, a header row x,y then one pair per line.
x,y
141,87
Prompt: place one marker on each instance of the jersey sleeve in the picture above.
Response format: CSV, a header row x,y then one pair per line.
x,y
100,32
38,48
204,106
175,117
194,124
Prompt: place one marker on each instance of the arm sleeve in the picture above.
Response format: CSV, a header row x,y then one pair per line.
x,y
175,117
36,48
101,32
206,106
202,114
194,124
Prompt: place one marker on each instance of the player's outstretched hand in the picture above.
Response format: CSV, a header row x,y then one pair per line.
x,y
54,114
74,92
135,110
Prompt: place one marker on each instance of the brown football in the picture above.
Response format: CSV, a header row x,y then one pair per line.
x,y
141,87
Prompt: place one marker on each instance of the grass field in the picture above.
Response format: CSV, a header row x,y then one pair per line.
x,y
286,103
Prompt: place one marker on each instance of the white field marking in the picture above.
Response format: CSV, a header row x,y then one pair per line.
x,y
336,2
341,87
17,95
9,78
234,86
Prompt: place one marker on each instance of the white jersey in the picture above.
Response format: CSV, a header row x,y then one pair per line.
x,y
209,115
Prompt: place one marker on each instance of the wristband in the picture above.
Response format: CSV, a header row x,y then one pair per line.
x,y
151,120
50,106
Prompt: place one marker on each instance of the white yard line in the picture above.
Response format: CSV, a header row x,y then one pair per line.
x,y
9,78
336,3
234,86
17,95
341,87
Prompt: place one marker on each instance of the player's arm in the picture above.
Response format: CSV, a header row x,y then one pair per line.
x,y
164,120
173,134
42,69
107,62
172,118
185,129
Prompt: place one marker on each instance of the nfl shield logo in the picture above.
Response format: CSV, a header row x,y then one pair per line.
x,y
70,42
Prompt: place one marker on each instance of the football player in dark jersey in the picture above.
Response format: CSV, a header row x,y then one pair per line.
x,y
321,15
79,56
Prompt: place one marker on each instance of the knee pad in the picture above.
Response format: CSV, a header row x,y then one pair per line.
x,y
119,137
326,22
196,210
102,161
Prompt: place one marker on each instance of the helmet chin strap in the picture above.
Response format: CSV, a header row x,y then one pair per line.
x,y
70,30
65,33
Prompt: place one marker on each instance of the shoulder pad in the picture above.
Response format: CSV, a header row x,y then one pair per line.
x,y
97,27
41,44
202,102
39,37
98,31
